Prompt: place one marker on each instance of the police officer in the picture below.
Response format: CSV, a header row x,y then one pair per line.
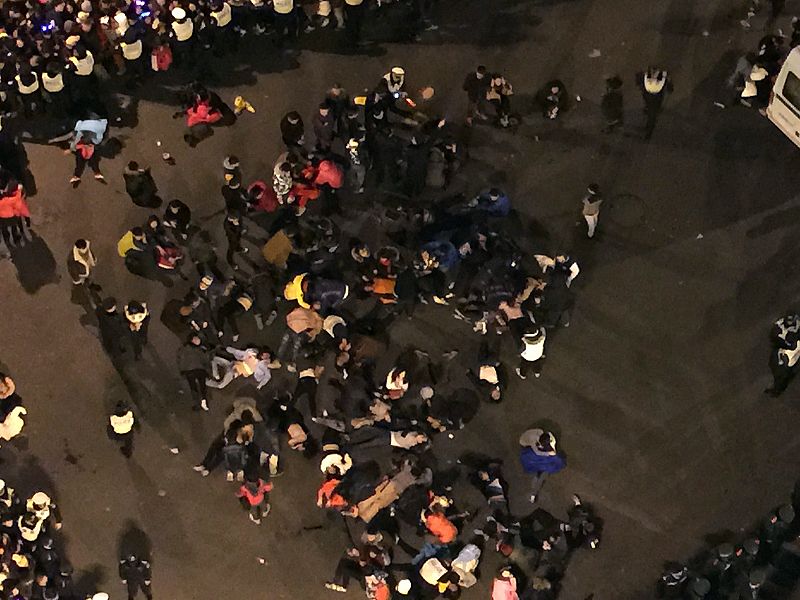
x,y
135,573
132,47
53,84
225,37
47,560
655,84
120,428
699,588
10,505
785,353
138,318
181,32
776,527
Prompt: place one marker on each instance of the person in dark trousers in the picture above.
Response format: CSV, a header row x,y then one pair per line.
x,y
233,231
203,254
655,84
193,364
138,318
113,328
236,199
239,303
141,186
178,216
86,154
612,105
120,428
475,85
136,574
292,130
324,124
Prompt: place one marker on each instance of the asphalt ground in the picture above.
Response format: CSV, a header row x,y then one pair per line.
x,y
655,389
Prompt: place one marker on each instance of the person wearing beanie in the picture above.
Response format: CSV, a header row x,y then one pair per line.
x,y
591,208
141,186
121,424
138,318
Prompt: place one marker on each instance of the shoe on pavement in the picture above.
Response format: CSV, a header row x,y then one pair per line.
x,y
519,373
204,404
240,476
229,476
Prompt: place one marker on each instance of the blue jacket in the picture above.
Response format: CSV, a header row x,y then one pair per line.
x,y
445,252
532,462
497,208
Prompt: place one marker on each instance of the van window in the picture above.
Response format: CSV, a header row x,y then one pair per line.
x,y
791,90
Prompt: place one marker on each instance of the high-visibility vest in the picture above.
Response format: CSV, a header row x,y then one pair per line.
x,y
53,84
122,425
223,15
183,30
283,7
131,51
83,66
654,85
27,89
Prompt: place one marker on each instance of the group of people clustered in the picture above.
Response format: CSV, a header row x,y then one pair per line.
x,y
338,297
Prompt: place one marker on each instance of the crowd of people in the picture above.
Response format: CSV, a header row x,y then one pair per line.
x,y
317,276
763,563
321,303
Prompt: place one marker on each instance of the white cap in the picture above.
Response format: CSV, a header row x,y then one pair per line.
x,y
100,596
40,498
398,71
178,13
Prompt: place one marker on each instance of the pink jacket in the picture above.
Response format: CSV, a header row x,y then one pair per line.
x,y
504,589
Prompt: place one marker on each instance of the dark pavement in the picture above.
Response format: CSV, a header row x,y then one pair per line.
x,y
654,390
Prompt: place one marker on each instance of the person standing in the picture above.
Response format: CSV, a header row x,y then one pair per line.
x,y
233,231
531,355
475,85
324,127
612,105
655,85
785,354
254,497
354,14
80,263
113,328
591,208
539,458
138,318
293,130
193,362
120,428
136,573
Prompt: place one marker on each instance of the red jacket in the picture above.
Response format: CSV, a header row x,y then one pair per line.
x,y
331,173
267,200
14,205
257,497
201,113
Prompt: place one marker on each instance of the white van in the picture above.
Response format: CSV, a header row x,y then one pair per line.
x,y
784,101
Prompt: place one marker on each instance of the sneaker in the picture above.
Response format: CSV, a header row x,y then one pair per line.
x,y
204,472
199,468
229,476
533,498
267,508
519,373
99,177
253,519
335,588
74,180
240,476
204,404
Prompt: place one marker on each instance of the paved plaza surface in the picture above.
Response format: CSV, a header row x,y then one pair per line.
x,y
655,391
